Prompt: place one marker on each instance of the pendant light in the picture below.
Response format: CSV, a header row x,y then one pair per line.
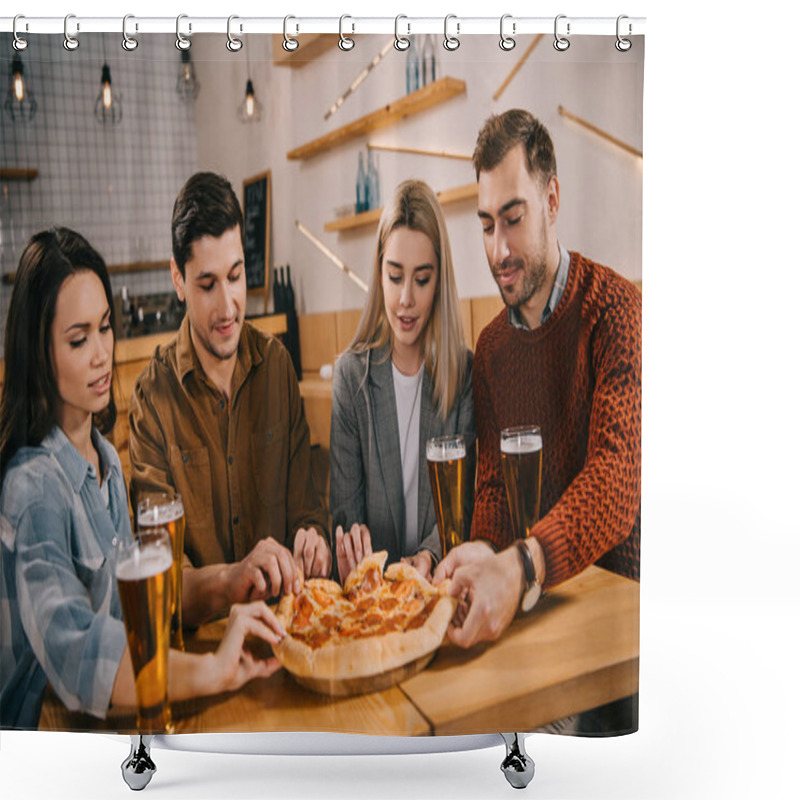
x,y
108,106
250,109
20,102
188,85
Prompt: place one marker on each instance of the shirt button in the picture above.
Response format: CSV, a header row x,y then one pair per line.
x,y
230,459
236,519
185,458
222,404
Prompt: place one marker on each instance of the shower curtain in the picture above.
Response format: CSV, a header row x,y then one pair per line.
x,y
315,142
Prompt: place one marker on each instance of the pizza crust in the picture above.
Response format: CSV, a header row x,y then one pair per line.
x,y
372,655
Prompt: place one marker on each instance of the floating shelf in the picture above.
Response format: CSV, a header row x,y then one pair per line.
x,y
372,217
113,269
18,174
311,46
431,95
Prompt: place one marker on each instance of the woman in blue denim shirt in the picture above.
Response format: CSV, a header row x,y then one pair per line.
x,y
63,504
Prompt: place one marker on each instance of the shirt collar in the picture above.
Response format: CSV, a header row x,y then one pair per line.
x,y
247,356
76,467
516,319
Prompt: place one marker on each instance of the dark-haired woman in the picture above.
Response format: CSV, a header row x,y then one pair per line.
x,y
63,504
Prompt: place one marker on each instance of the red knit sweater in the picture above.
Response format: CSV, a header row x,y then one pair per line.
x,y
578,377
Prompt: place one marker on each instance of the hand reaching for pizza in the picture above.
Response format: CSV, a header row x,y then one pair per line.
x,y
262,573
351,548
311,554
422,562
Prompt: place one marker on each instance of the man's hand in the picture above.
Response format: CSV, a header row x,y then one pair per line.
x,y
351,548
264,572
462,556
489,592
311,553
422,562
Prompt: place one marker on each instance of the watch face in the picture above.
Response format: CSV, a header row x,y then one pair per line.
x,y
530,597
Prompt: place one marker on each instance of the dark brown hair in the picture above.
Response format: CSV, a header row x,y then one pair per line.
x,y
502,132
205,206
30,399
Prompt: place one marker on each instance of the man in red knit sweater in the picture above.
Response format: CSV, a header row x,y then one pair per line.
x,y
565,355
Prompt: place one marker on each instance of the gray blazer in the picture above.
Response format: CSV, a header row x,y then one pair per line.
x,y
366,473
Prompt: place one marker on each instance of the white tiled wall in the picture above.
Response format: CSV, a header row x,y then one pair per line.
x,y
115,185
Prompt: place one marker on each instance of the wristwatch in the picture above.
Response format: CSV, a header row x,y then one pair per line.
x,y
533,589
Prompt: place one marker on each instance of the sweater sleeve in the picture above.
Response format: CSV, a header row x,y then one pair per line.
x,y
491,519
599,509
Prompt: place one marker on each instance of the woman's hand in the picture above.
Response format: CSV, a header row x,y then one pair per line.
x,y
234,664
351,548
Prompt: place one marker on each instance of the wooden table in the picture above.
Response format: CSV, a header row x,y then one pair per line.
x,y
577,650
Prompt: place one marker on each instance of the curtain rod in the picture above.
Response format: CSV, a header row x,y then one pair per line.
x,y
347,25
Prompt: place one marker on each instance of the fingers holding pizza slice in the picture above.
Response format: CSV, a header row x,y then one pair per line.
x,y
375,631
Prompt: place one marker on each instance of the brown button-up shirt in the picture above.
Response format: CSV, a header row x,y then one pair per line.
x,y
243,468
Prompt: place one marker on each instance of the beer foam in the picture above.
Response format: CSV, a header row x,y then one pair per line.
x,y
440,452
160,515
142,564
523,443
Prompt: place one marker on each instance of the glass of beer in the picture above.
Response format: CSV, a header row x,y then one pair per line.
x,y
143,570
447,470
521,455
165,509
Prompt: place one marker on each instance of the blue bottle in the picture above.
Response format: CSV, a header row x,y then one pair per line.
x,y
428,60
361,186
412,67
373,183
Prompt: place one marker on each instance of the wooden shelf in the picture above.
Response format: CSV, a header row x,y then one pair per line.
x,y
18,174
431,95
372,217
312,45
113,269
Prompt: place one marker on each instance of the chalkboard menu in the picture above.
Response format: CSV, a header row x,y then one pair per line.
x,y
257,199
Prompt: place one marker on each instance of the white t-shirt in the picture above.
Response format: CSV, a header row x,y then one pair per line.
x,y
408,398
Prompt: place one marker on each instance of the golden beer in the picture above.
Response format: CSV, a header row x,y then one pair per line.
x,y
447,470
521,455
164,510
143,579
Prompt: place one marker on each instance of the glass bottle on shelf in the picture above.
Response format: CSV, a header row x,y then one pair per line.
x,y
361,186
412,66
373,183
428,60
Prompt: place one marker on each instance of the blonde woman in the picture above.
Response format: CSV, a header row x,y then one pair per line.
x,y
406,376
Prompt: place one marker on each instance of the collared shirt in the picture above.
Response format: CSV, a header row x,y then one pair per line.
x,y
516,319
60,615
243,468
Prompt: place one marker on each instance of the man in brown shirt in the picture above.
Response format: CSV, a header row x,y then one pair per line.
x,y
217,416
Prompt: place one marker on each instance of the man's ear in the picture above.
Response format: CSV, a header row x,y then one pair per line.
x,y
177,280
553,195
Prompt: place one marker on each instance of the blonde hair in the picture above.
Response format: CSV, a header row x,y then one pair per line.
x,y
414,206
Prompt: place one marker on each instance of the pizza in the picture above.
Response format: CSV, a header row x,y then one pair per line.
x,y
376,625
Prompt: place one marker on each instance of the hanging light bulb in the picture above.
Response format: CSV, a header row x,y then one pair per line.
x,y
250,109
188,86
108,106
20,103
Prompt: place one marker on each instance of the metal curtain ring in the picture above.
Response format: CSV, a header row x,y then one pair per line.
x,y
233,44
345,42
182,43
19,43
290,44
560,43
128,42
623,45
507,42
70,42
401,43
451,42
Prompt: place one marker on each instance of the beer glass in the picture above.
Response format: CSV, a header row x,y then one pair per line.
x,y
165,509
521,455
143,579
447,470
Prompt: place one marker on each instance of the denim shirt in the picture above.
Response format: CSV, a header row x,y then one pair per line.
x,y
60,614
515,316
